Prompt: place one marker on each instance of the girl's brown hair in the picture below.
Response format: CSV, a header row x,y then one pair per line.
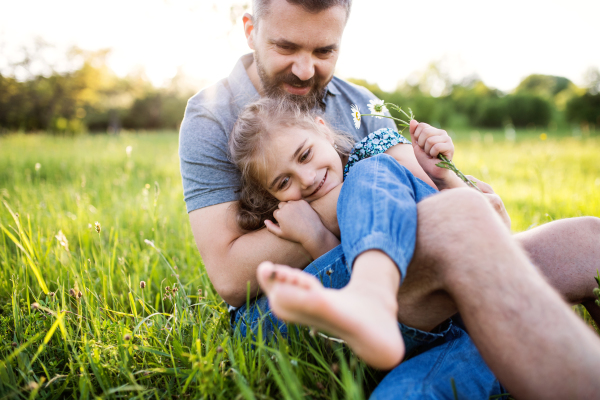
x,y
247,142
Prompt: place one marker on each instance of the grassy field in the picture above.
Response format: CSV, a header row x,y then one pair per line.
x,y
95,332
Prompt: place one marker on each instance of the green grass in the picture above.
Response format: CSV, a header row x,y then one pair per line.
x,y
183,346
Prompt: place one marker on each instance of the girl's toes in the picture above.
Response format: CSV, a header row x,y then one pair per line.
x,y
266,275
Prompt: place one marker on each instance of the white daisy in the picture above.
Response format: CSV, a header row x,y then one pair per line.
x,y
355,115
377,107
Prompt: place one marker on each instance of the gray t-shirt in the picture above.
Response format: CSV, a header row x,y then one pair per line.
x,y
208,175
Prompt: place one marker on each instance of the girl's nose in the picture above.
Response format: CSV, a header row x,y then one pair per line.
x,y
307,178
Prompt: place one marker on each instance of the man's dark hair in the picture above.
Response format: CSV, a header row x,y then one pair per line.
x,y
260,8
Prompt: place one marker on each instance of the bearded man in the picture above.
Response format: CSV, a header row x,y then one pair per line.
x,y
296,45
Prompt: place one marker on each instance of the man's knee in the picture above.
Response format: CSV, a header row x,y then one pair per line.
x,y
453,225
462,212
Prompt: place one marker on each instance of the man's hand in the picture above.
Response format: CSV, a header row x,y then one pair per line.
x,y
298,222
494,200
427,143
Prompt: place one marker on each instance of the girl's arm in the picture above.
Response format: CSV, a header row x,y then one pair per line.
x,y
421,157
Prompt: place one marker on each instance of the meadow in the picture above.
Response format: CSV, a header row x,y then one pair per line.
x,y
103,293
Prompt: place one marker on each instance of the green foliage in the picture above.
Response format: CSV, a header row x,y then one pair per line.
x,y
584,109
90,97
526,110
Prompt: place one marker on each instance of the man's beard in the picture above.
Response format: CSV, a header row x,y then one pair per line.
x,y
273,88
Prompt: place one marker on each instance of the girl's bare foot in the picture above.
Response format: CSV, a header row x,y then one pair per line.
x,y
361,313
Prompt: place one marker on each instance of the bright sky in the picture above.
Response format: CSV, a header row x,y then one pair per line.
x,y
385,40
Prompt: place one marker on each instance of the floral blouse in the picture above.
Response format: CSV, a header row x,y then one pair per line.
x,y
375,143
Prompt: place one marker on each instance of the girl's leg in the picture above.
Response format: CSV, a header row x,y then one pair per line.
x,y
377,213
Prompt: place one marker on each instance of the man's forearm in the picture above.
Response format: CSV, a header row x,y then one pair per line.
x,y
231,255
249,250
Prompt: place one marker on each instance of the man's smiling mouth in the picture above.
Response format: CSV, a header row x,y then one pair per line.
x,y
320,184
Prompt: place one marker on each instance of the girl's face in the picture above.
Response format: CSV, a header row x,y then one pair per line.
x,y
301,164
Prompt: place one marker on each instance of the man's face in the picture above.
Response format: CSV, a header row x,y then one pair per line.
x,y
296,51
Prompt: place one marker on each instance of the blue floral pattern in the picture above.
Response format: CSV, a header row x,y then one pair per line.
x,y
375,143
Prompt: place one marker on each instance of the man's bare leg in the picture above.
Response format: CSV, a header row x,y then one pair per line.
x,y
364,313
567,252
528,335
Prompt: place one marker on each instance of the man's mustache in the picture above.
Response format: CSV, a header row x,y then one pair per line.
x,y
293,80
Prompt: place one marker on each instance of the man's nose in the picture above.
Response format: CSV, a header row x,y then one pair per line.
x,y
303,67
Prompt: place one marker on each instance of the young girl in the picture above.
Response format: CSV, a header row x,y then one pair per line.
x,y
289,158
286,155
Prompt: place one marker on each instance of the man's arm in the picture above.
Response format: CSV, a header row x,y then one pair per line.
x,y
232,255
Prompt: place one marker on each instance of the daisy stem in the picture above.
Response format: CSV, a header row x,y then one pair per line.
x,y
399,109
447,164
385,116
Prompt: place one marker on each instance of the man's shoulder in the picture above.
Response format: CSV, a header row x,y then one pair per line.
x,y
353,90
214,101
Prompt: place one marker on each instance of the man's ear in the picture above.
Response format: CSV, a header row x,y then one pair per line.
x,y
249,29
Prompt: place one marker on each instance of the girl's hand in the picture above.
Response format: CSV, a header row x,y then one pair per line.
x,y
298,222
427,143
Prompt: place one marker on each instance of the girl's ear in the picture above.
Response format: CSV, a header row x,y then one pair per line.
x,y
325,129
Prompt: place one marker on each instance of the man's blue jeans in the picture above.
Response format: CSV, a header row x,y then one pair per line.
x,y
377,210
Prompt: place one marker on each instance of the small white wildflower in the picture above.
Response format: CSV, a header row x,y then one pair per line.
x,y
62,240
149,242
128,150
38,166
377,107
355,115
97,226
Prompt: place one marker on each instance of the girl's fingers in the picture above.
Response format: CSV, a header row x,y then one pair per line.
x,y
421,129
273,228
442,148
427,132
432,141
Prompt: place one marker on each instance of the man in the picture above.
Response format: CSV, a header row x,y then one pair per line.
x,y
296,46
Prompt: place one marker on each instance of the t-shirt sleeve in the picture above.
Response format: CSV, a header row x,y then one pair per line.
x,y
208,176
